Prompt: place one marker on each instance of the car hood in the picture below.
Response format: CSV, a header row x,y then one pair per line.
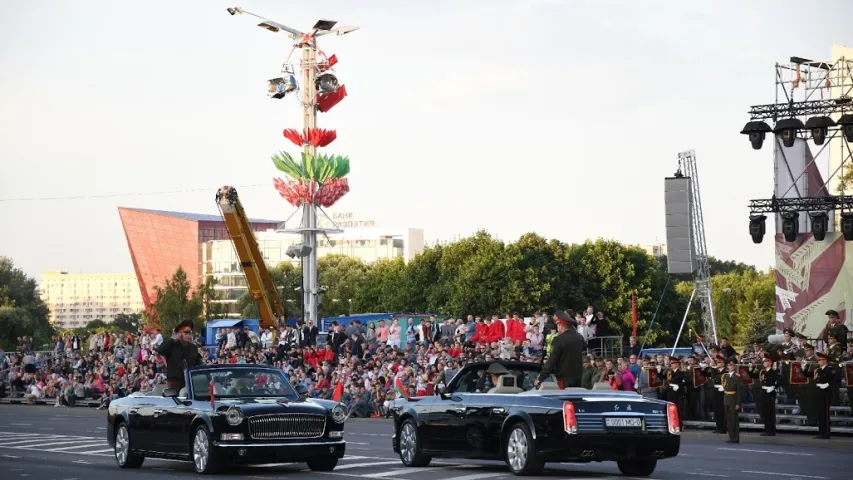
x,y
266,406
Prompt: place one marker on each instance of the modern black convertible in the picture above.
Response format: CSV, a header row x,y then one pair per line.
x,y
528,427
255,416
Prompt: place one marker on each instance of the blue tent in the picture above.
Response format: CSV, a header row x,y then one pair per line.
x,y
679,352
252,324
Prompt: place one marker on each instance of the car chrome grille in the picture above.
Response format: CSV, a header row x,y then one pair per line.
x,y
286,426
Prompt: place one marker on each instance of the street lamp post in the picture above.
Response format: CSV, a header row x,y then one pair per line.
x,y
309,67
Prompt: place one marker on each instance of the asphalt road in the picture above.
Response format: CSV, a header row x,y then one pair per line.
x,y
69,444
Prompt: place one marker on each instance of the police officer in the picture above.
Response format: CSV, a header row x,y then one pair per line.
x,y
180,352
566,358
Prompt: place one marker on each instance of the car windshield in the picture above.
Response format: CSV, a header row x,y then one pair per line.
x,y
475,380
241,383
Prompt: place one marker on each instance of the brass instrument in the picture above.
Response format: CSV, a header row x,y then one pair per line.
x,y
761,376
723,380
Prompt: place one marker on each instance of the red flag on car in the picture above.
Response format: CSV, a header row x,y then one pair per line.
x,y
210,390
339,391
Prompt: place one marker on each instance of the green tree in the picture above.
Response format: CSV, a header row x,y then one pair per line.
x,y
287,278
208,296
176,302
22,312
383,288
343,276
127,322
96,324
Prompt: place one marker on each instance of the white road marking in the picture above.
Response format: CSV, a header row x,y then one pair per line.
x,y
73,447
10,456
82,462
21,424
703,474
407,471
475,476
95,452
784,475
766,451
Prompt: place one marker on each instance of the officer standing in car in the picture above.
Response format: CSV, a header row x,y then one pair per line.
x,y
566,358
180,352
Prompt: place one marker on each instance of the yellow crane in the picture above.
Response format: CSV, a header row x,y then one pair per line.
x,y
258,278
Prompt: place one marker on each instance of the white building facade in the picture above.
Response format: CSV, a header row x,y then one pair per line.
x,y
77,299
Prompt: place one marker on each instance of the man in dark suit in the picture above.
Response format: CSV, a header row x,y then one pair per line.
x,y
566,358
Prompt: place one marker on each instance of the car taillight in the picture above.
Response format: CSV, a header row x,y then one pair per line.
x,y
672,419
570,421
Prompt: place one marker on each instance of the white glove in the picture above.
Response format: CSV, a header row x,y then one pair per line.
x,y
658,368
720,388
803,364
769,389
703,365
674,388
823,386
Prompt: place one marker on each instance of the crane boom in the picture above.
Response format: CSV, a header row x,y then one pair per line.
x,y
258,278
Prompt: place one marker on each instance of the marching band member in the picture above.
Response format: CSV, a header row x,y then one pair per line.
x,y
676,387
824,376
808,398
833,354
733,391
790,352
769,381
715,375
834,326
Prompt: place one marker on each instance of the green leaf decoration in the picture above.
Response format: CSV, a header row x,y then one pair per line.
x,y
285,162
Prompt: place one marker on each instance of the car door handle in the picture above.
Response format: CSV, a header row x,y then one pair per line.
x,y
159,412
460,410
498,410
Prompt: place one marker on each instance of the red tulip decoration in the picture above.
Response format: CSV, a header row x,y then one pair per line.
x,y
317,179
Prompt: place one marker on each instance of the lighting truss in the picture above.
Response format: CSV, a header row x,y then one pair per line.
x,y
802,204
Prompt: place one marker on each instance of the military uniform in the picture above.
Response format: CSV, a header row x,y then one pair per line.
x,y
565,360
839,330
788,355
715,375
834,356
733,392
179,355
808,400
769,382
676,387
824,376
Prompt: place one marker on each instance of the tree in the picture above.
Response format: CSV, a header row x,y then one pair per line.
x,y
175,302
383,288
343,276
207,296
127,322
96,324
287,277
22,312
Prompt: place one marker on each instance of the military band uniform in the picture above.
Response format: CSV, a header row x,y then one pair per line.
x,y
834,356
824,375
676,387
769,382
691,404
715,385
808,400
733,392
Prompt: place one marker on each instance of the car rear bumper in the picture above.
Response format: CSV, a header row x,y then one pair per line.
x,y
282,452
586,448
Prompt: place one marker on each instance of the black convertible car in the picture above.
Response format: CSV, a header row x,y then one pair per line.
x,y
527,427
228,414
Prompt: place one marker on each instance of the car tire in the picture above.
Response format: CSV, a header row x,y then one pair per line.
x,y
125,458
204,456
520,453
411,445
323,464
637,467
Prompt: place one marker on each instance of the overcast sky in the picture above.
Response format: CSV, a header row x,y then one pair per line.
x,y
556,117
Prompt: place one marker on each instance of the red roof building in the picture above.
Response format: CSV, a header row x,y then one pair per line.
x,y
161,241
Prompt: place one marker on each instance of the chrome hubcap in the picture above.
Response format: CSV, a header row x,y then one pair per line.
x,y
516,449
408,441
122,445
200,450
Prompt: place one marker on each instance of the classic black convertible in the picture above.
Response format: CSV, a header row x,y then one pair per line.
x,y
528,427
255,416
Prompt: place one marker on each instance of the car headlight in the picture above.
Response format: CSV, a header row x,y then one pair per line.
x,y
339,413
234,416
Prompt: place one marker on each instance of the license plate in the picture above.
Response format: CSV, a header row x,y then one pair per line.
x,y
623,422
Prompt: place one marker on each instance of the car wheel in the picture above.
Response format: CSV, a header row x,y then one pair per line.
x,y
125,458
323,464
204,455
637,467
411,448
520,451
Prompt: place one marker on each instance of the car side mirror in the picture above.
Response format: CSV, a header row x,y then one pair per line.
x,y
170,392
441,389
302,390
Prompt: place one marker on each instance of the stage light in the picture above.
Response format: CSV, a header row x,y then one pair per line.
x,y
787,130
279,87
846,122
756,130
327,83
819,126
847,226
820,224
790,225
234,10
757,227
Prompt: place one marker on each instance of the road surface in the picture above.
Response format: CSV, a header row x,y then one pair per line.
x,y
45,443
